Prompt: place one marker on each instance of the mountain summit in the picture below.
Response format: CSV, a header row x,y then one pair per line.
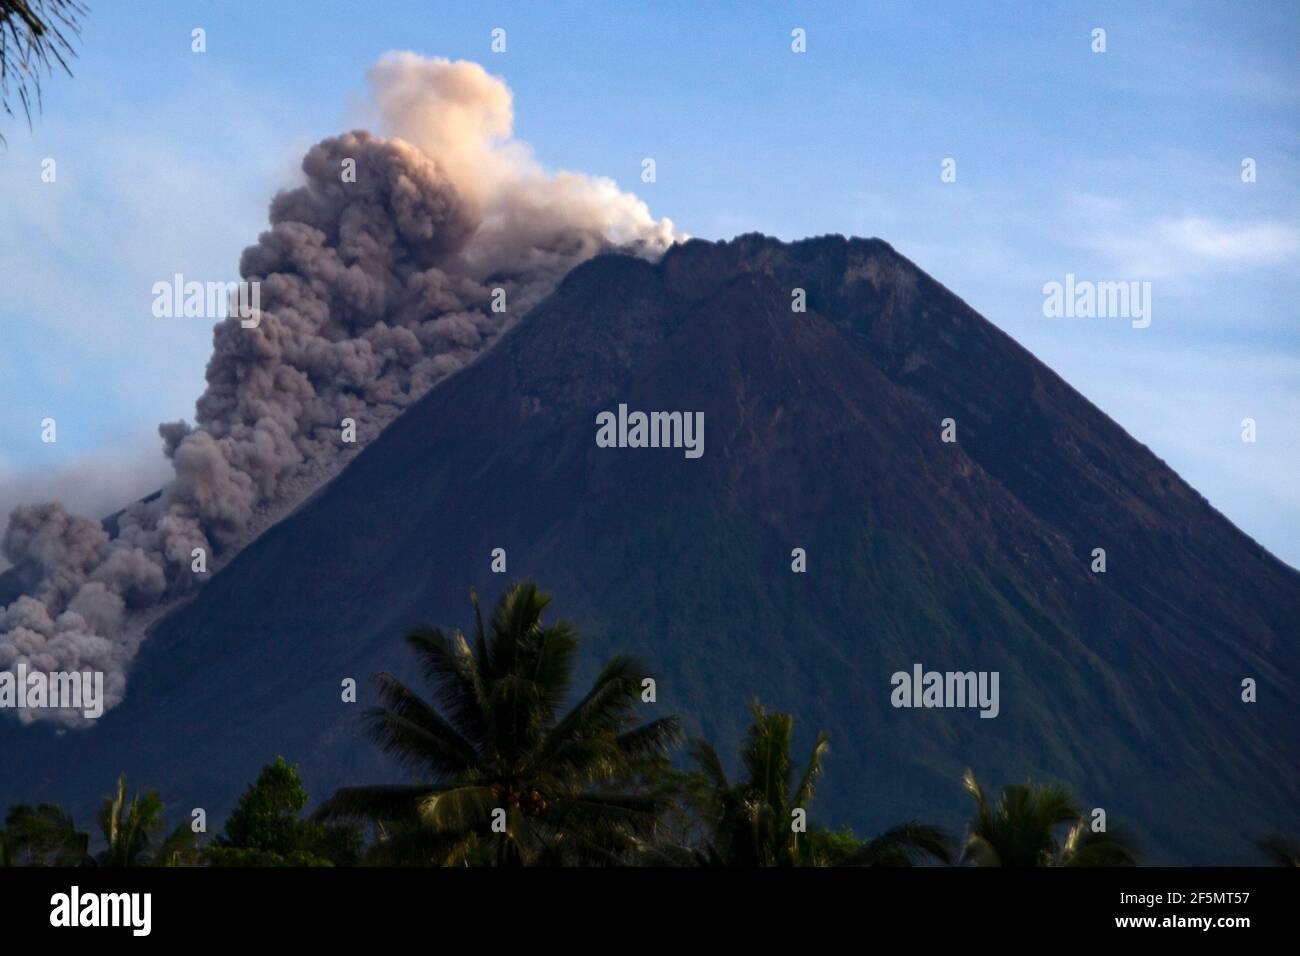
x,y
824,431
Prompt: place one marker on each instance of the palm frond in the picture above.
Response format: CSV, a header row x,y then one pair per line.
x,y
766,755
905,845
709,763
447,663
460,809
178,849
980,851
34,38
391,802
1083,847
803,796
412,730
650,740
414,844
514,625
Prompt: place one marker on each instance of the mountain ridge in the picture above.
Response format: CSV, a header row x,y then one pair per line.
x,y
823,432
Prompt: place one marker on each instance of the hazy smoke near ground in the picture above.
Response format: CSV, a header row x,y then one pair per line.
x,y
371,291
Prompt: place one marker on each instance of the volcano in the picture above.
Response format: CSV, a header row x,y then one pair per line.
x,y
942,493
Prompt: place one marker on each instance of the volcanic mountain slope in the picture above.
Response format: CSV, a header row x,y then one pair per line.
x,y
822,432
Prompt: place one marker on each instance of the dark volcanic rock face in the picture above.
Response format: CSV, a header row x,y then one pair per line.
x,y
822,432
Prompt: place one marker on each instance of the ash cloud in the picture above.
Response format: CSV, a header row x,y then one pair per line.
x,y
371,292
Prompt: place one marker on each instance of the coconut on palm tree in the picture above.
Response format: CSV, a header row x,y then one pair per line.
x,y
510,777
1023,829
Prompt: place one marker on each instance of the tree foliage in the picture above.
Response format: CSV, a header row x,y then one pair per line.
x,y
35,37
508,776
265,828
1023,829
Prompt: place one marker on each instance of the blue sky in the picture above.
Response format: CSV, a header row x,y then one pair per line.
x,y
1116,166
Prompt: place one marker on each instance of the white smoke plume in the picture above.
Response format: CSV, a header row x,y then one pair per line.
x,y
371,292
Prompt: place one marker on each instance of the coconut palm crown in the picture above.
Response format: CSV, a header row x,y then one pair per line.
x,y
508,776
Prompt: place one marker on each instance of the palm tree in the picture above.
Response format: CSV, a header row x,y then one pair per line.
x,y
754,822
130,829
44,835
511,779
1020,830
34,37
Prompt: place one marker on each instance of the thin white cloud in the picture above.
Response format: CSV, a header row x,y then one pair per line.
x,y
1251,243
1179,247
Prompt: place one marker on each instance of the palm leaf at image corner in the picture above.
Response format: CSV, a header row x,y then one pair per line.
x,y
34,38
